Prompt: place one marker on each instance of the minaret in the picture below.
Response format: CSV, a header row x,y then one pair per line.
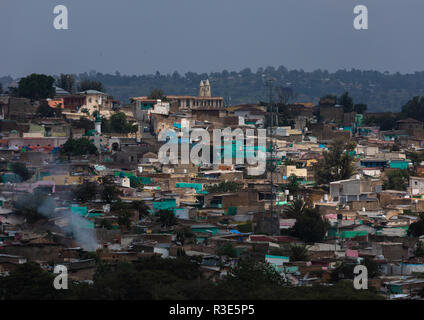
x,y
98,124
207,88
201,89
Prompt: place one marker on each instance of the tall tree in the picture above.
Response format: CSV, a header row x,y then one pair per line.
x,y
87,84
299,253
414,108
310,226
293,185
337,163
36,86
360,108
118,123
110,191
296,209
284,94
157,93
346,101
66,82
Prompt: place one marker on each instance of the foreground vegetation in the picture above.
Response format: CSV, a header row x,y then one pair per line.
x,y
159,279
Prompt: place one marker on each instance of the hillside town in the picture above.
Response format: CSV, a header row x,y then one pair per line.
x,y
83,186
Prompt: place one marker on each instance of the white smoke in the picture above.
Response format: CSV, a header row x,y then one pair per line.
x,y
83,235
78,225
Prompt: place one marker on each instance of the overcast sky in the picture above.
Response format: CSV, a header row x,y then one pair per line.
x,y
145,36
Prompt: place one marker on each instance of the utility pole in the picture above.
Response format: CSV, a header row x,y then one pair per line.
x,y
271,147
273,216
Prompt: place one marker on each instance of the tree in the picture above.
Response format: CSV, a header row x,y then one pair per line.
x,y
184,234
372,267
124,219
87,84
45,111
158,278
227,249
151,279
1,88
416,229
84,123
224,186
110,191
250,279
21,170
310,226
298,253
346,101
385,121
119,123
106,126
13,91
167,218
296,209
66,82
396,180
157,94
78,147
416,159
414,108
360,108
284,94
293,185
141,207
86,191
337,163
328,99
36,86
29,282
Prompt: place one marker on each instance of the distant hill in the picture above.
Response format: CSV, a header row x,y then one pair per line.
x,y
381,91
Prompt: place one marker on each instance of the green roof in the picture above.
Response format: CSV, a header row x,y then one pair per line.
x,y
90,133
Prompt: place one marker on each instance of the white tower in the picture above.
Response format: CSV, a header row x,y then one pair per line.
x,y
201,89
207,88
